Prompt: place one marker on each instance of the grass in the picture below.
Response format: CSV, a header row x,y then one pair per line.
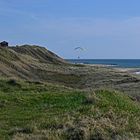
x,y
39,64
34,110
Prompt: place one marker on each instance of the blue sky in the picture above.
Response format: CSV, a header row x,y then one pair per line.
x,y
105,28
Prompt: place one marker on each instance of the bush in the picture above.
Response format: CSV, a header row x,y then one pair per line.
x,y
13,82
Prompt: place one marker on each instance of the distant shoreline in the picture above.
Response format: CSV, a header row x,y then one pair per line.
x,y
135,71
124,65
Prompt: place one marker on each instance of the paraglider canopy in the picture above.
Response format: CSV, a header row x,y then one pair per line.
x,y
79,48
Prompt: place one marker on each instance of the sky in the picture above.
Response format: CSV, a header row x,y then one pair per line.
x,y
106,29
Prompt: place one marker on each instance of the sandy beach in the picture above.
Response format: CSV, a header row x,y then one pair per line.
x,y
135,71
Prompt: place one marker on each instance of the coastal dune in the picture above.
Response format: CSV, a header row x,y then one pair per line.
x,y
42,96
36,63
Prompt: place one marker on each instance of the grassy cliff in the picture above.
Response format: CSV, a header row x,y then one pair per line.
x,y
44,97
45,111
25,61
36,63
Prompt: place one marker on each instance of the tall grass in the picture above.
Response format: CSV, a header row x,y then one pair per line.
x,y
34,110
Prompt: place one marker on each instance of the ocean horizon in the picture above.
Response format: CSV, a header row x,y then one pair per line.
x,y
120,63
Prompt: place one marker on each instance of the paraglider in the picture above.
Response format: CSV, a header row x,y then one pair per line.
x,y
79,49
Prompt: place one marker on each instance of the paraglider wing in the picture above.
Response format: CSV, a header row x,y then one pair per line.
x,y
79,48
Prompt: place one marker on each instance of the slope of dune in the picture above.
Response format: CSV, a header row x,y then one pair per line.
x,y
34,63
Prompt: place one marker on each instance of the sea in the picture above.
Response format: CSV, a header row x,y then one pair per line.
x,y
120,63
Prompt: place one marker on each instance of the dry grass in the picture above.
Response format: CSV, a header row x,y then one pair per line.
x,y
38,64
66,107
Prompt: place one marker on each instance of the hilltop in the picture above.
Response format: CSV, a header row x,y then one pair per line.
x,y
25,61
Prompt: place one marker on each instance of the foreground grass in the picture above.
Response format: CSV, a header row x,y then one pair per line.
x,y
44,111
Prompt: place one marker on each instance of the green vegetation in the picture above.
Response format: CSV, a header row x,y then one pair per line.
x,y
36,110
39,64
51,99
